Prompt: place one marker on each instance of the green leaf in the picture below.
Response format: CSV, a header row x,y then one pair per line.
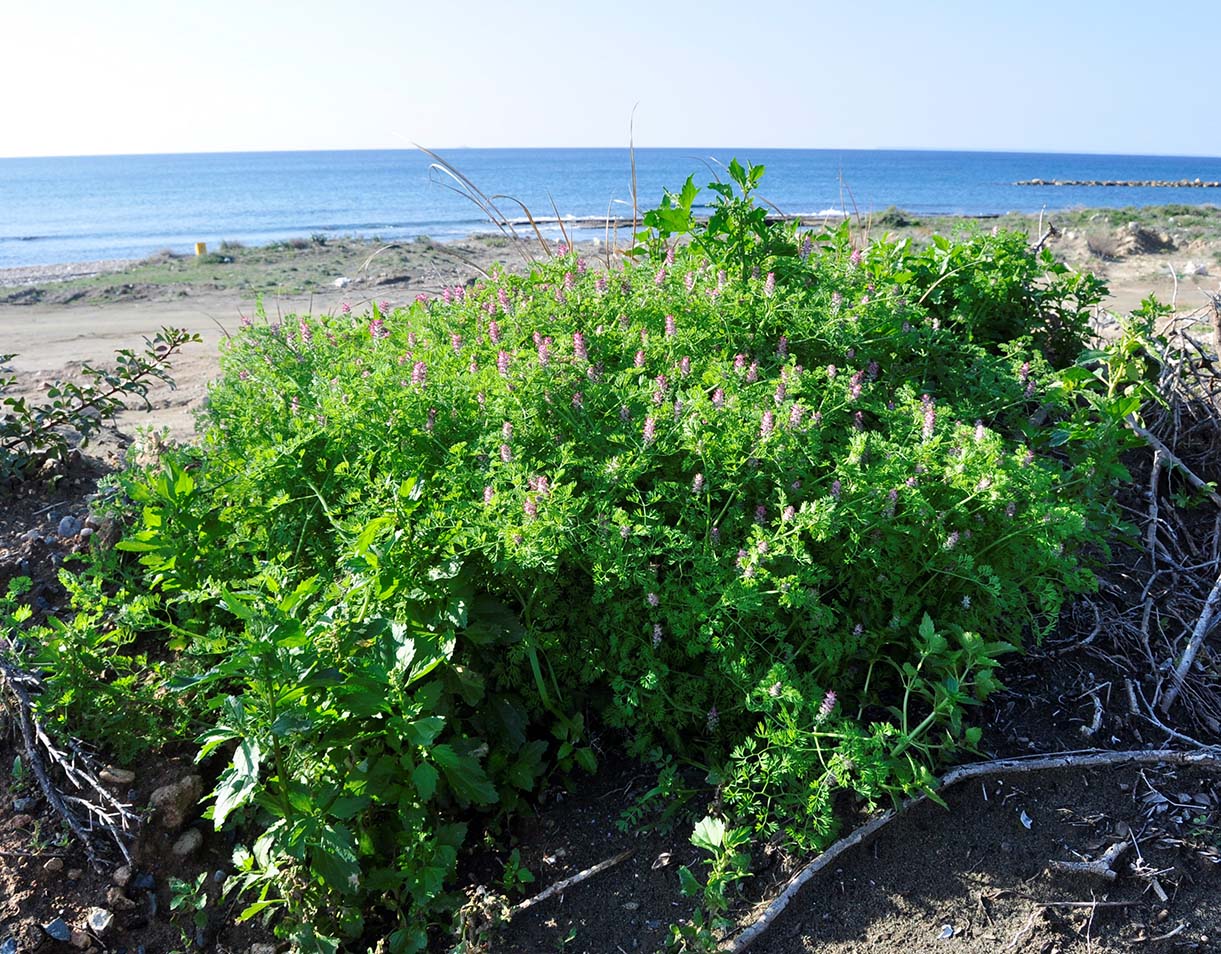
x,y
335,860
423,731
425,779
688,882
238,783
709,834
465,776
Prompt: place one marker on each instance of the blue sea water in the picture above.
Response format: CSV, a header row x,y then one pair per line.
x,y
75,209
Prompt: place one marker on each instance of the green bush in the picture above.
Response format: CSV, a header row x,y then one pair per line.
x,y
766,500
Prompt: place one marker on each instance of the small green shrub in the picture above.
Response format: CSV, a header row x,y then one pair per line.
x,y
33,431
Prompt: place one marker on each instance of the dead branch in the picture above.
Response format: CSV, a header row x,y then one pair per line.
x,y
1100,867
1207,758
561,886
1173,460
92,811
1203,625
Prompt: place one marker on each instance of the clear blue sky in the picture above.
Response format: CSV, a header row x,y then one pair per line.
x,y
1126,76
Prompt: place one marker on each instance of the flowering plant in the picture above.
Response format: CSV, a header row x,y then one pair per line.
x,y
769,500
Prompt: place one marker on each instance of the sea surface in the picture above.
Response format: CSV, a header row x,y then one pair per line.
x,y
74,209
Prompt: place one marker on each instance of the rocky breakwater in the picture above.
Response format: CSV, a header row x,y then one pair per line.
x,y
1129,183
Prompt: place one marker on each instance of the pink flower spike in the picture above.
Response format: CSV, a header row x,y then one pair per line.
x,y
660,278
639,359
768,425
494,332
782,347
579,347
671,326
697,485
650,430
487,495
769,286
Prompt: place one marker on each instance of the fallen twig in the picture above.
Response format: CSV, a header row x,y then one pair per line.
x,y
561,886
1100,867
102,811
1171,459
1203,625
1206,758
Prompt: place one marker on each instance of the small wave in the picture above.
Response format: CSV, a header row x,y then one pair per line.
x,y
24,238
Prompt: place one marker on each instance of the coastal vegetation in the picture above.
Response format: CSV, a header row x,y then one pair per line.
x,y
762,508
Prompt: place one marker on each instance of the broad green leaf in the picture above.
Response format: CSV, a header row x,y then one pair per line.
x,y
709,833
465,776
238,783
688,882
425,779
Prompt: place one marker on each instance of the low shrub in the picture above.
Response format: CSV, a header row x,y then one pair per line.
x,y
761,499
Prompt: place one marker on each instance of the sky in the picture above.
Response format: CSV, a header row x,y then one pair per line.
x,y
145,76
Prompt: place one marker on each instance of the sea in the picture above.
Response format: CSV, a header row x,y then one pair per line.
x,y
89,208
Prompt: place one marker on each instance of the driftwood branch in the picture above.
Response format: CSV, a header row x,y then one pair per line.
x,y
1173,460
1208,758
561,886
1100,867
1204,625
94,810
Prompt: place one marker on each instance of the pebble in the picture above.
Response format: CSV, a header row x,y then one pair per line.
x,y
188,843
57,930
117,776
20,821
86,533
262,948
74,874
99,920
22,805
118,900
121,876
68,527
81,941
54,864
172,803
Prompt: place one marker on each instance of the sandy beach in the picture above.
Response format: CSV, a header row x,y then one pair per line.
x,y
57,317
